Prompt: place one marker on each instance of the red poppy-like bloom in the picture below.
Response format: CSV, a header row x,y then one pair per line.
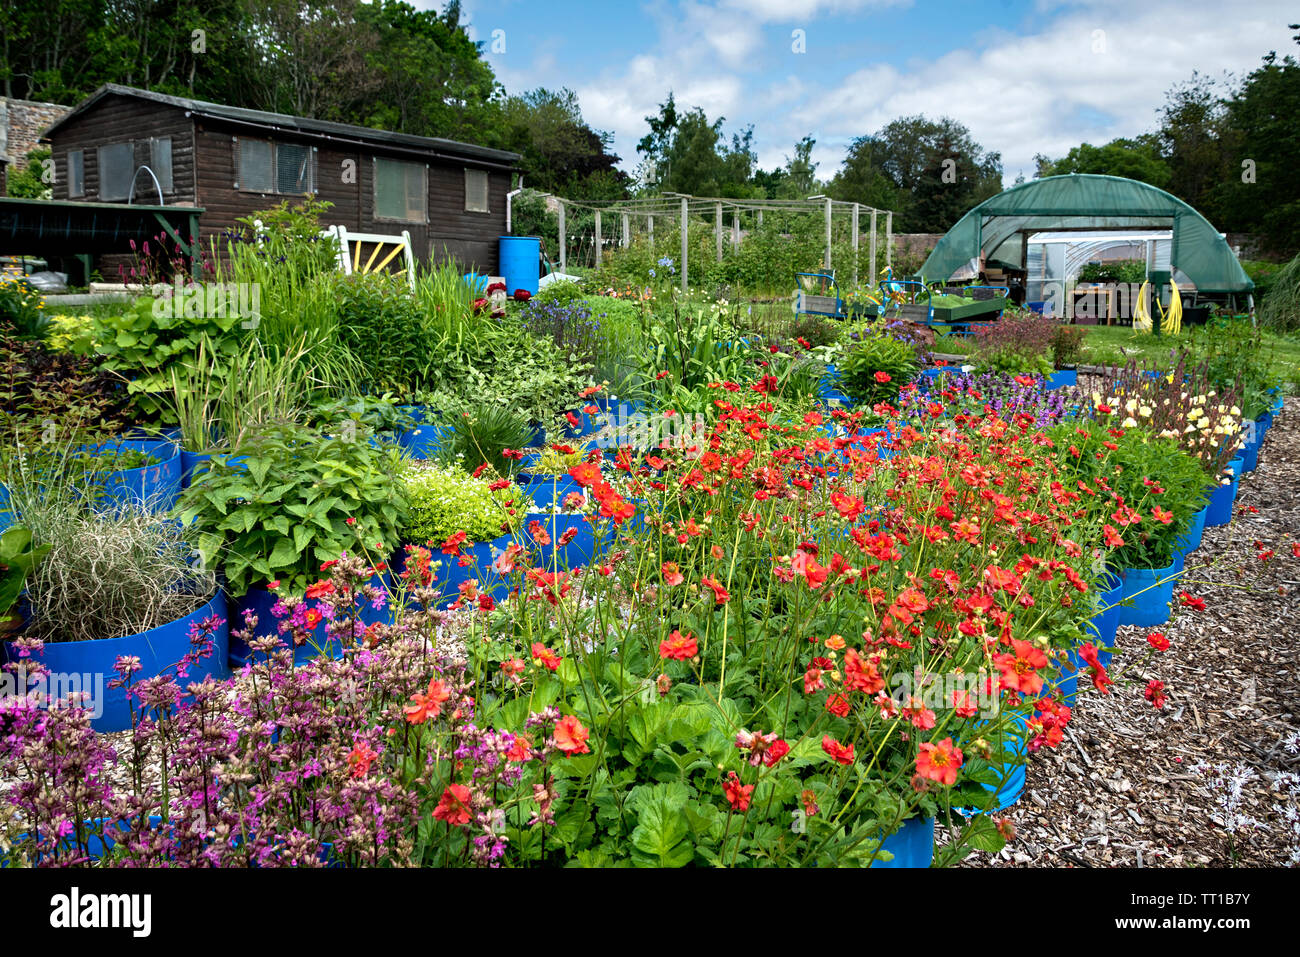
x,y
1020,668
571,736
319,589
1158,641
1192,602
360,758
428,705
840,753
838,705
1155,693
738,795
776,752
860,674
939,762
678,647
883,377
549,659
452,545
720,594
454,806
672,575
585,474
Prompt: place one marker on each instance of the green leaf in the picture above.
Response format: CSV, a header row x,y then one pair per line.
x,y
284,554
660,836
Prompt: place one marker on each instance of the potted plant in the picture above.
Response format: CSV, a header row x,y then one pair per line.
x,y
114,585
295,500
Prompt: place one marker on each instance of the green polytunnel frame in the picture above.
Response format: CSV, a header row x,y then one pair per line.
x,y
998,227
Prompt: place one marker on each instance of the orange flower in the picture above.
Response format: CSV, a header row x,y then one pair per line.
x,y
839,753
939,762
1019,669
571,736
429,705
454,806
672,575
679,647
547,657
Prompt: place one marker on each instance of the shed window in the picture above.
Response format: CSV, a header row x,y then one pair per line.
x,y
400,191
116,167
476,191
269,167
76,173
160,161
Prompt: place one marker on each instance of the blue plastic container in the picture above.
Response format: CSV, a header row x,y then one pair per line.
x,y
547,490
422,440
195,464
259,601
482,554
6,516
1061,379
1249,452
586,543
1223,497
1151,591
520,263
155,485
158,649
912,844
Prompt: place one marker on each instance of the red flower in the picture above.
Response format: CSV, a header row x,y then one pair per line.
x,y
1020,668
319,589
678,647
838,705
939,762
1192,602
360,758
452,545
571,736
720,594
1155,693
428,705
738,795
883,377
1158,641
586,474
841,754
549,659
454,806
775,752
672,575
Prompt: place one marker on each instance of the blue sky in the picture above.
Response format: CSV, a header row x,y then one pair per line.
x,y
1026,76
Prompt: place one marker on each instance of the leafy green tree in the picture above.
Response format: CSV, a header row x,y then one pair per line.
x,y
1139,158
561,153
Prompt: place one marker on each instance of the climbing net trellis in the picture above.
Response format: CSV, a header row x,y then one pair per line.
x,y
615,224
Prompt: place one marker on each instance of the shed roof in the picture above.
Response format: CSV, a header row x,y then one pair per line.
x,y
306,126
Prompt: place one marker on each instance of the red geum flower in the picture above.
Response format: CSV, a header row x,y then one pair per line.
x,y
454,806
360,758
1155,693
571,736
319,589
549,659
720,594
427,705
840,753
452,545
1020,668
738,795
1158,641
883,377
939,762
1190,601
838,705
672,575
678,647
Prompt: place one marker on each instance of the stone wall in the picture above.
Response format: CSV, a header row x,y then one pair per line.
x,y
22,123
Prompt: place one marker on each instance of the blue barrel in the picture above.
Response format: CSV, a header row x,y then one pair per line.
x,y
520,256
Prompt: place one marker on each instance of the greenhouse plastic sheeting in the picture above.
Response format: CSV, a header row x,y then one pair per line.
x,y
1086,201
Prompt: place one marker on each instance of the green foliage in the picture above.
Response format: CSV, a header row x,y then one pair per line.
x,y
18,556
562,293
1138,159
1119,270
284,508
32,181
479,434
381,326
1280,310
875,356
444,501
144,344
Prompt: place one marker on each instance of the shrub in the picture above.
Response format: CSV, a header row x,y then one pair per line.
x,y
22,309
480,434
292,503
381,325
877,367
563,293
444,501
1016,344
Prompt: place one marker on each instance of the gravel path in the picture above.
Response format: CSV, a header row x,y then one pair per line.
x,y
1130,786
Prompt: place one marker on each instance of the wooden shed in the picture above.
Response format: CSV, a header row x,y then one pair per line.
x,y
127,145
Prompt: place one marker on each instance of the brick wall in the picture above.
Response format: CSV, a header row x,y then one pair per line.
x,y
22,122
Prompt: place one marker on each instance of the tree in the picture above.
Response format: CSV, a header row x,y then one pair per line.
x,y
690,155
1192,133
561,153
1139,158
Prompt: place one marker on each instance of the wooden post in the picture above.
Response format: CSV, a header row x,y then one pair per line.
x,y
855,244
598,244
717,229
828,234
872,245
650,227
685,240
735,229
889,238
627,234
760,217
564,241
